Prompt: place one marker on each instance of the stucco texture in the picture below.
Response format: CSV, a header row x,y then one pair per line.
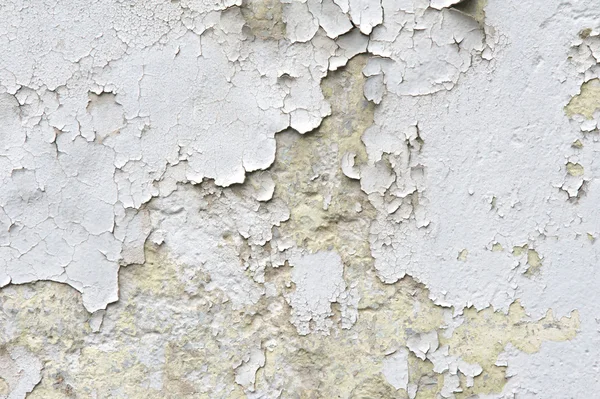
x,y
363,199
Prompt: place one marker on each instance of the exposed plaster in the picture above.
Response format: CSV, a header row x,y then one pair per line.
x,y
319,198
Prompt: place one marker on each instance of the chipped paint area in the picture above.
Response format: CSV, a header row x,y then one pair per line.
x,y
299,199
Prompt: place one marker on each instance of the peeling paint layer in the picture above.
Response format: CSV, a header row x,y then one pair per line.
x,y
299,199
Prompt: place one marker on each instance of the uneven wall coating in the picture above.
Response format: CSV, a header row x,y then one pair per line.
x,y
299,199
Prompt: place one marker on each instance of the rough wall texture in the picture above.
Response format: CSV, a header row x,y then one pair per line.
x,y
299,199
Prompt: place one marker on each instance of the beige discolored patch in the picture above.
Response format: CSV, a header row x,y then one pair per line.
x,y
484,334
161,341
264,18
575,169
533,260
4,388
586,102
327,209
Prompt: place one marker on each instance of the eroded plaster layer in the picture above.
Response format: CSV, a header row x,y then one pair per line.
x,y
299,199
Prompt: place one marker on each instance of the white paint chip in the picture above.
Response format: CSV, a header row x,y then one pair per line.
x,y
319,282
395,369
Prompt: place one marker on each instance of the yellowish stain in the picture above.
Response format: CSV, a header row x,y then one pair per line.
x,y
533,261
586,102
4,388
264,18
574,169
518,251
484,334
327,209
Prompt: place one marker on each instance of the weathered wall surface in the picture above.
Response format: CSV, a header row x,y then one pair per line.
x,y
299,199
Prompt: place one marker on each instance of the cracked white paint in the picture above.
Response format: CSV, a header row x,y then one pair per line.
x,y
245,374
20,372
395,369
318,280
128,125
426,346
83,174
